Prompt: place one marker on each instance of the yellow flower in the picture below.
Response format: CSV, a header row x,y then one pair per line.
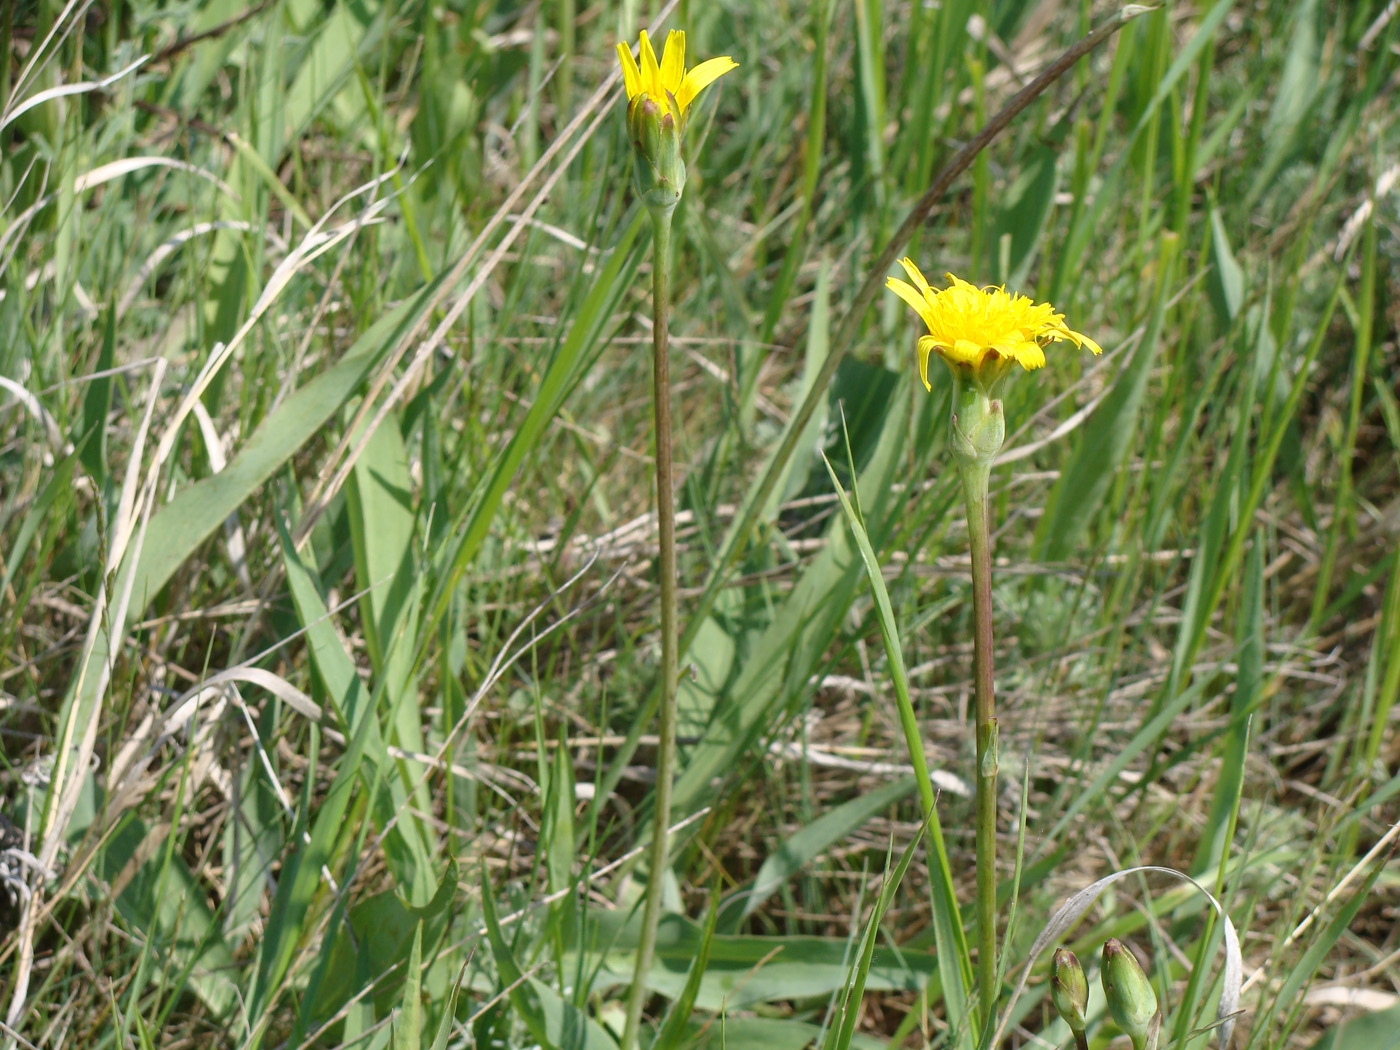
x,y
982,329
667,83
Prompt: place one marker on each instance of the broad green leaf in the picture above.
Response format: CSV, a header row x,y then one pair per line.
x,y
1226,280
301,880
747,970
795,470
1368,1031
178,528
328,64
97,403
555,1023
788,649
710,663
559,840
1215,836
179,920
769,1033
60,483
806,845
383,519
1023,209
367,950
1294,98
673,1028
356,707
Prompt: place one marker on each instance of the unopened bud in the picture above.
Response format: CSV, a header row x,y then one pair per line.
x,y
1131,1000
658,165
979,428
1069,991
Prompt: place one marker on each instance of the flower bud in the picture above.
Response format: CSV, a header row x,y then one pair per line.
x,y
1069,991
659,97
658,166
979,427
1131,1000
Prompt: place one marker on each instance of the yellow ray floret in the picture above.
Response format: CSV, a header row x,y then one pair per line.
x,y
971,326
668,79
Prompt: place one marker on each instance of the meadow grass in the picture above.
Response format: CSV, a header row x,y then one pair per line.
x,y
328,624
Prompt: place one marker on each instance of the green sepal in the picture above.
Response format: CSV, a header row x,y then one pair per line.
x,y
1131,999
658,165
979,428
1069,990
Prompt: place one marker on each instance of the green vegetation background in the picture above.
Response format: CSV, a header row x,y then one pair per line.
x,y
326,614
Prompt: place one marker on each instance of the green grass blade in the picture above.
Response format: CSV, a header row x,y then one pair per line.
x,y
839,1037
563,371
408,1030
673,1026
1110,435
954,961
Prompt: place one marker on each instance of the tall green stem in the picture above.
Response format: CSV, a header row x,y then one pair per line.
x,y
975,484
974,459
658,857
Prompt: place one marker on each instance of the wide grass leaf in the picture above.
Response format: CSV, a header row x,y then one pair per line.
x,y
368,950
178,921
806,845
554,1022
178,528
744,970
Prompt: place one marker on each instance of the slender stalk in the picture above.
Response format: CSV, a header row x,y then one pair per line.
x,y
658,858
975,476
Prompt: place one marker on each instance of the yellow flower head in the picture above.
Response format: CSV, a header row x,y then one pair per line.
x,y
667,83
982,329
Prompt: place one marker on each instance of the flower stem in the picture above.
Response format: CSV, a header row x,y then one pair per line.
x,y
658,857
976,474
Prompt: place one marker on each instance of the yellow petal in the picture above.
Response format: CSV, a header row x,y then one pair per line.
x,y
985,329
965,350
917,276
1024,352
651,72
909,295
673,61
701,77
927,345
631,75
